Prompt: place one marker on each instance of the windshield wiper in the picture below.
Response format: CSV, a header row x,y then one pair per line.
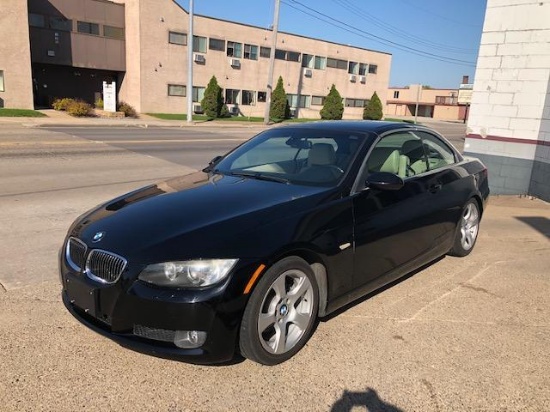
x,y
259,176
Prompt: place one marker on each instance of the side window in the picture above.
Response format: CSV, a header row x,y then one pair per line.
x,y
438,153
389,155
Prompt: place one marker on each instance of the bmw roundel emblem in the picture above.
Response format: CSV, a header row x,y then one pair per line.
x,y
98,236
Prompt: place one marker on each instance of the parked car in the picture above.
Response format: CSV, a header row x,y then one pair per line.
x,y
292,225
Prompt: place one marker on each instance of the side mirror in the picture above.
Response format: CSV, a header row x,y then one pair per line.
x,y
384,181
212,163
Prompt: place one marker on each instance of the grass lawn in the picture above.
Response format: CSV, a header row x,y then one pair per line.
x,y
178,116
20,113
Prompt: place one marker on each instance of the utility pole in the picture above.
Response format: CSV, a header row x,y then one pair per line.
x,y
272,61
417,99
189,88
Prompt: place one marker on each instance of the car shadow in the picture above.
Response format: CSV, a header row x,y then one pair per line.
x,y
540,224
368,399
380,290
174,357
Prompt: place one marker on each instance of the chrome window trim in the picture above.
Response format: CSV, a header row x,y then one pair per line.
x,y
68,259
97,278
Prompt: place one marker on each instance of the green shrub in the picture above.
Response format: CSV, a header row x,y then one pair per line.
x,y
333,109
280,108
99,103
373,109
78,108
224,112
128,110
62,104
212,102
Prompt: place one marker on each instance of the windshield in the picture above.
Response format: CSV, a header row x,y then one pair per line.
x,y
294,156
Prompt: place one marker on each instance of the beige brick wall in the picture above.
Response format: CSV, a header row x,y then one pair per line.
x,y
15,57
153,63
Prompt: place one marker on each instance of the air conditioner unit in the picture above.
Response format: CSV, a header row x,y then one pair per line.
x,y
235,110
197,109
308,72
199,58
235,62
363,79
352,78
293,112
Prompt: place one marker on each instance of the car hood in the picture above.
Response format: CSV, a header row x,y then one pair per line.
x,y
190,214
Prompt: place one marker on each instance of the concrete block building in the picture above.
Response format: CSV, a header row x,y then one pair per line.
x,y
72,46
509,122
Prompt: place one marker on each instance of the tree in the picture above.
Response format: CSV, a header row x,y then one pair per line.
x,y
373,109
280,109
333,109
212,101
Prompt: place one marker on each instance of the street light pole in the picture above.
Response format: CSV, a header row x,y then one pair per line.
x,y
417,99
272,62
189,88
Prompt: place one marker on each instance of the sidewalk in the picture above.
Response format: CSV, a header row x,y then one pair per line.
x,y
62,119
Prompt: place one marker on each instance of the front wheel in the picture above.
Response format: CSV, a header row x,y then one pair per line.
x,y
281,313
467,230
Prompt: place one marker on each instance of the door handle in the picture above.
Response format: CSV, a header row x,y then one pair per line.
x,y
435,188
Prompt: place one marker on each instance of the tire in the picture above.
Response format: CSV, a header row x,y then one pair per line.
x,y
280,315
467,229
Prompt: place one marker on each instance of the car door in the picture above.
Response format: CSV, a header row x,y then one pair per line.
x,y
393,229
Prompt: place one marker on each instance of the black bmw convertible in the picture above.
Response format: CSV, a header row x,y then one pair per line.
x,y
292,225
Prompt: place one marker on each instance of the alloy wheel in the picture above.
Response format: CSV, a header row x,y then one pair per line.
x,y
469,226
286,312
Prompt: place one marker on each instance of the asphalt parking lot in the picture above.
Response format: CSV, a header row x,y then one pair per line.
x,y
462,334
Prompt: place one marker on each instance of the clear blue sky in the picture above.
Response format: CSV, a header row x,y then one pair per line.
x,y
448,30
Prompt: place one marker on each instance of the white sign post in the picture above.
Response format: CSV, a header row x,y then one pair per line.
x,y
109,97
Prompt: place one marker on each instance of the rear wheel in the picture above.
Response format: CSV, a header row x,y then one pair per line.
x,y
281,313
467,230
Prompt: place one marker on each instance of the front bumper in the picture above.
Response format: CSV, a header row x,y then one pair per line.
x,y
117,311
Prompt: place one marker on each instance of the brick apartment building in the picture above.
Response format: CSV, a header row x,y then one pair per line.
x,y
69,47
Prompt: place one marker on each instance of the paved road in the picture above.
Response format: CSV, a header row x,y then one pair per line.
x,y
463,334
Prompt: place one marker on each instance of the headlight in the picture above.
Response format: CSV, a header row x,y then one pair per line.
x,y
188,274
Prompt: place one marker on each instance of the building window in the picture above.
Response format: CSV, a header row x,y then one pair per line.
x,y
355,102
250,52
265,52
177,90
287,55
37,20
280,54
295,100
293,56
234,49
373,68
113,32
362,69
216,44
320,62
199,44
308,61
177,38
247,98
262,97
232,96
337,64
353,68
198,94
88,28
60,23
2,89
396,94
317,100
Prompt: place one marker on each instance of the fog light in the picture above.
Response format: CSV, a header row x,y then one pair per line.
x,y
189,339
